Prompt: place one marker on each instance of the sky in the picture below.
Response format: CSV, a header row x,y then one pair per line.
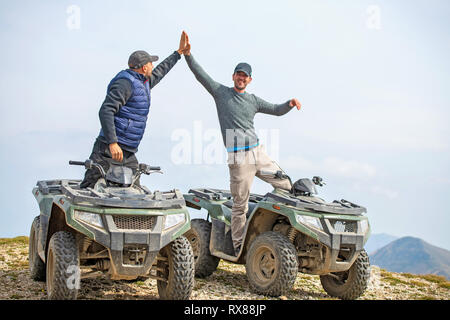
x,y
372,77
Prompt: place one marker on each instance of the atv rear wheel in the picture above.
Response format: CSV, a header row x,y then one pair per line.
x,y
350,284
176,270
272,264
37,266
199,237
63,267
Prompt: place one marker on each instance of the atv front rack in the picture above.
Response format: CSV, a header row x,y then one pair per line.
x,y
143,200
300,202
220,194
317,204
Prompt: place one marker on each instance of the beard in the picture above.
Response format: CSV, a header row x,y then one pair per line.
x,y
240,87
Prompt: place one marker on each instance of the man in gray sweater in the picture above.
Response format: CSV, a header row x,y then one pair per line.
x,y
236,109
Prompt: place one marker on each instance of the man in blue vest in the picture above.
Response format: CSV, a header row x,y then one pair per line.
x,y
123,114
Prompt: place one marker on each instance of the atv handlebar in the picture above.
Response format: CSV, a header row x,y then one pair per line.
x,y
76,163
143,168
88,164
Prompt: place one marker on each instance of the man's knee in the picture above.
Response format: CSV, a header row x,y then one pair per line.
x,y
282,184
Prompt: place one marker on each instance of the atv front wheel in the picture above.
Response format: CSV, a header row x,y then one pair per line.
x,y
63,267
176,270
37,266
350,284
199,237
272,264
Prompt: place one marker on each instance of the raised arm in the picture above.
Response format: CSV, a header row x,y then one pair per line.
x,y
163,68
210,85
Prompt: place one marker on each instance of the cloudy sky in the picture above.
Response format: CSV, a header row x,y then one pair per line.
x,y
373,78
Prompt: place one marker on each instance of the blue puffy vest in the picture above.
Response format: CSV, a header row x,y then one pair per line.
x,y
131,119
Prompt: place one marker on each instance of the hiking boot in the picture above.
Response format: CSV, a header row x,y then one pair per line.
x,y
237,250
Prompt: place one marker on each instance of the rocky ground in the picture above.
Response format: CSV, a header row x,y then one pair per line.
x,y
229,282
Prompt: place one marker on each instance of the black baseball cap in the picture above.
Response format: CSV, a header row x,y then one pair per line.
x,y
139,58
244,67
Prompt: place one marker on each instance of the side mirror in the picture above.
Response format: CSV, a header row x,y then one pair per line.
x,y
318,181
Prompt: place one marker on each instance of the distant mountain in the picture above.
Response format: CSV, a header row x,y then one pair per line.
x,y
377,241
413,255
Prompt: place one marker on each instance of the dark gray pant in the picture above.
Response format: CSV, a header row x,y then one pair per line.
x,y
101,155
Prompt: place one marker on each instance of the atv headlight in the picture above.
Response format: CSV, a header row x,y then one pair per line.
x,y
173,220
310,221
364,225
93,219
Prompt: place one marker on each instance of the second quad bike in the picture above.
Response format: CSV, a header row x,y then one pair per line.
x,y
118,227
286,232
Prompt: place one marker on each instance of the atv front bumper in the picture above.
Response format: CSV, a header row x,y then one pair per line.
x,y
132,240
342,241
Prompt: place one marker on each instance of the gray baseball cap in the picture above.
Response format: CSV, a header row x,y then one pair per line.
x,y
244,67
139,58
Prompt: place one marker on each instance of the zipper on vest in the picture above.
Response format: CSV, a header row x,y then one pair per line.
x,y
147,91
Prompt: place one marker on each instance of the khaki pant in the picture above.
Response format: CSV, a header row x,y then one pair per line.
x,y
244,166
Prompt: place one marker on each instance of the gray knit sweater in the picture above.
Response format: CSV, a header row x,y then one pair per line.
x,y
236,110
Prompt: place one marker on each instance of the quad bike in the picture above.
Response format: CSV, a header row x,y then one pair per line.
x,y
286,232
118,227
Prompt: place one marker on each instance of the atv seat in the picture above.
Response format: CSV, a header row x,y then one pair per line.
x,y
251,206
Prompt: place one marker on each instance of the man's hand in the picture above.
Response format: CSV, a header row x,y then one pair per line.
x,y
184,41
187,48
116,152
187,51
295,103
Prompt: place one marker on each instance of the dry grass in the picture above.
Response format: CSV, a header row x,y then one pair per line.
x,y
229,282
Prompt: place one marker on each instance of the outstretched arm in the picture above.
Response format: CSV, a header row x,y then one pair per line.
x,y
210,85
276,109
164,67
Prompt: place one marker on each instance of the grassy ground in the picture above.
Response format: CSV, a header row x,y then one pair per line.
x,y
228,282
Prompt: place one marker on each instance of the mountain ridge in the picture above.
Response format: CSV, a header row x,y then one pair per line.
x,y
412,255
377,241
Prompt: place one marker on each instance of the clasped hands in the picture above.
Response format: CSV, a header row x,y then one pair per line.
x,y
185,46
